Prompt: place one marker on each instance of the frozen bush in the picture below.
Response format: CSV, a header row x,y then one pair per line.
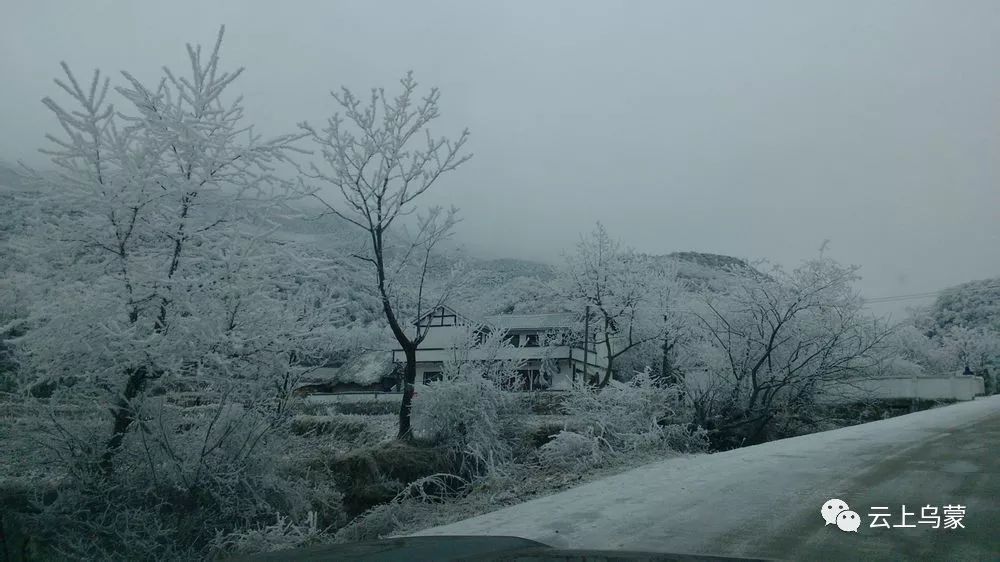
x,y
627,416
382,521
283,534
181,474
569,450
409,509
468,412
685,438
465,417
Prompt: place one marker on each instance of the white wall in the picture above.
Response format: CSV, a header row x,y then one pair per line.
x,y
925,388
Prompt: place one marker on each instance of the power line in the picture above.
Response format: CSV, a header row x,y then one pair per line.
x,y
898,298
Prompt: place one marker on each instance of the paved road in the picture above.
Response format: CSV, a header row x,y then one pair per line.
x,y
765,501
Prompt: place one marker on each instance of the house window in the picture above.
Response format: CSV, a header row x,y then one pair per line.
x,y
531,340
431,376
513,339
481,336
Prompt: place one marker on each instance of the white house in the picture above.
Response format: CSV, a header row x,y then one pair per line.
x,y
540,341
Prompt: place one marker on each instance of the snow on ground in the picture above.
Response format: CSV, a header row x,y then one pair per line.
x,y
695,504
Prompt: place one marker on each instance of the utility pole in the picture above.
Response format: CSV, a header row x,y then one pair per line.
x,y
586,341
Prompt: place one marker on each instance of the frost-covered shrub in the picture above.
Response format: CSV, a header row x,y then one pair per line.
x,y
468,412
283,534
470,418
410,508
627,416
569,450
685,438
543,403
345,431
382,521
181,475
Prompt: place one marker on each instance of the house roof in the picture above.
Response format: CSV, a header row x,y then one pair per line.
x,y
508,321
447,309
531,321
365,368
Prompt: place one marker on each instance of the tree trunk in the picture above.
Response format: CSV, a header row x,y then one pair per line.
x,y
409,379
123,418
607,376
610,358
666,369
758,433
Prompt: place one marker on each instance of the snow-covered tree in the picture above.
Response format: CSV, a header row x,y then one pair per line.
x,y
909,345
163,267
771,345
372,159
974,349
666,313
945,351
520,295
618,286
161,273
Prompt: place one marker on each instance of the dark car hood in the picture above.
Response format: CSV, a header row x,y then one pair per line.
x,y
471,548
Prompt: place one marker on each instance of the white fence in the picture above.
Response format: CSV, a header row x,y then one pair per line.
x,y
924,388
359,396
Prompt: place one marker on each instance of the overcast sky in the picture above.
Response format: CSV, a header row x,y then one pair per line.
x,y
753,129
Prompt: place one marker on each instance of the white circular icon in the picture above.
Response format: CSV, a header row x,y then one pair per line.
x,y
831,508
848,521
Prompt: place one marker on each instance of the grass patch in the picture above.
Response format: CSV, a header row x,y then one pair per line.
x,y
369,407
337,426
374,475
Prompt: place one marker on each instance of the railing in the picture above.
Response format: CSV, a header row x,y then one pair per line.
x,y
362,395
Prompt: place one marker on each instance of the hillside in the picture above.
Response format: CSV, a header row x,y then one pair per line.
x,y
975,304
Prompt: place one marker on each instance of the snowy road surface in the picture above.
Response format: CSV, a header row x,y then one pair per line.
x,y
765,501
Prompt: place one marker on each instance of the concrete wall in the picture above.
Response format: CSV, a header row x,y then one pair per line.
x,y
926,388
351,397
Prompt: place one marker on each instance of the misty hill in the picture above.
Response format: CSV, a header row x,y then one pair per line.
x,y
975,304
714,261
9,176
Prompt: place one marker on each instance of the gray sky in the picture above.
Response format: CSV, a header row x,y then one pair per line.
x,y
753,129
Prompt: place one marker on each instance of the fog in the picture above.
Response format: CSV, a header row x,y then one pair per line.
x,y
756,130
